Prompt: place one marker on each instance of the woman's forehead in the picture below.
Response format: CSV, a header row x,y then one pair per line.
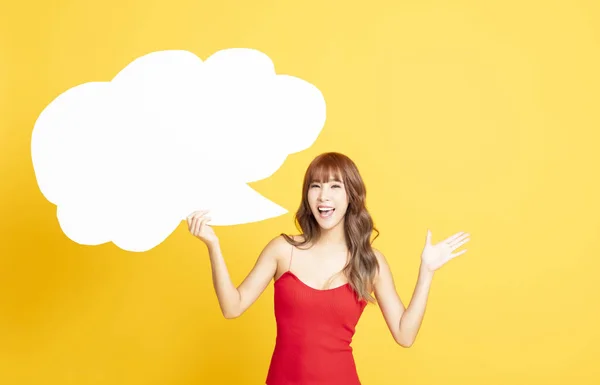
x,y
331,179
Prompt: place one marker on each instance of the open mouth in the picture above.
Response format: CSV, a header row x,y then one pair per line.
x,y
325,212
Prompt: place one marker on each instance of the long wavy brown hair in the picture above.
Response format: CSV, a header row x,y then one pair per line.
x,y
361,268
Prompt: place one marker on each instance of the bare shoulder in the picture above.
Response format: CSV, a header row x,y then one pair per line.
x,y
279,251
279,248
384,268
379,256
276,245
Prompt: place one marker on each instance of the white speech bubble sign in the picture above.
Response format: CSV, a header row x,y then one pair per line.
x,y
125,161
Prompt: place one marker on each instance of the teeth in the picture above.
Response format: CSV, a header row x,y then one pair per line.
x,y
325,209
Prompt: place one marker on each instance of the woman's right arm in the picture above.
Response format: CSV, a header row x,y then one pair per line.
x,y
234,301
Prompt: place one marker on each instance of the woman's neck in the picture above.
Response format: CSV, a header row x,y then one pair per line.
x,y
332,237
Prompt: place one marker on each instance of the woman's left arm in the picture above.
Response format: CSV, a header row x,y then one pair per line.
x,y
404,322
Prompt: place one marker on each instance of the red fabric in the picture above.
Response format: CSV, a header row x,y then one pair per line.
x,y
314,332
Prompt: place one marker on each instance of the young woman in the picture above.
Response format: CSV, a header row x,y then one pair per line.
x,y
324,277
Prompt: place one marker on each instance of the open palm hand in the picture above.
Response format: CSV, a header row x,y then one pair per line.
x,y
436,255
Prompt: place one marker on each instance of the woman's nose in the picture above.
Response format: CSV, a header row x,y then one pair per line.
x,y
323,194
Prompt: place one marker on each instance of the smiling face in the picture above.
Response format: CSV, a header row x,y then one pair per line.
x,y
328,201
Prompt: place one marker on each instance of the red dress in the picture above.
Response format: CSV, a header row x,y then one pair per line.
x,y
314,331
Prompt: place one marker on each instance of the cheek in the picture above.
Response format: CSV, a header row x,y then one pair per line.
x,y
343,198
342,203
312,197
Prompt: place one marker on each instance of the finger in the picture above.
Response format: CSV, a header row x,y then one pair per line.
x,y
199,215
196,214
202,226
457,245
458,239
190,220
452,256
197,223
428,237
203,214
191,224
454,237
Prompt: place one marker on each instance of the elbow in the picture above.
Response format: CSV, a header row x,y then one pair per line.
x,y
231,314
406,335
231,309
404,341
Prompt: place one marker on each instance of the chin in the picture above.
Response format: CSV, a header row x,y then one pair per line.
x,y
328,224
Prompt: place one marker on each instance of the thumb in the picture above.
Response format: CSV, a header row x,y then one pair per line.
x,y
428,238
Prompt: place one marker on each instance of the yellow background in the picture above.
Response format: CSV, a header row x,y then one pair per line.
x,y
463,115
